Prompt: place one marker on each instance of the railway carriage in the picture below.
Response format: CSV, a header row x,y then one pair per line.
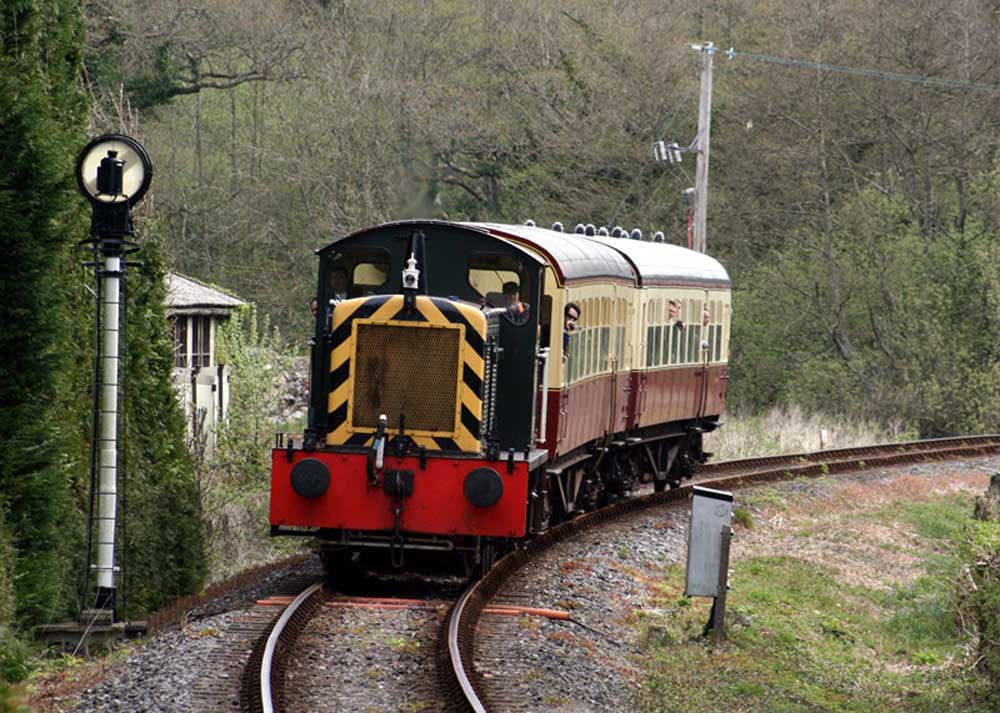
x,y
449,417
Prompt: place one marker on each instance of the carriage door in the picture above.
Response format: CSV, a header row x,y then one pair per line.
x,y
704,355
637,374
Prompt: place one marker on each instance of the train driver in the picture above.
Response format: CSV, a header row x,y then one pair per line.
x,y
338,284
517,310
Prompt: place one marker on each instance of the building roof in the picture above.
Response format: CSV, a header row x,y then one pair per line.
x,y
185,294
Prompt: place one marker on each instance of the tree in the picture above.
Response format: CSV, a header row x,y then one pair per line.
x,y
43,114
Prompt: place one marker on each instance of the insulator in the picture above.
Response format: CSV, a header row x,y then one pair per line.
x,y
636,234
590,229
580,228
658,237
557,226
530,223
616,232
602,231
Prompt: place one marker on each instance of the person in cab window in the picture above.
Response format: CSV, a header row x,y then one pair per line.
x,y
338,284
517,311
512,298
572,316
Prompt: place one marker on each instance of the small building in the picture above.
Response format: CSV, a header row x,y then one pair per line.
x,y
196,311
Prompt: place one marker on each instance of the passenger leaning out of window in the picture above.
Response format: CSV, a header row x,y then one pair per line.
x,y
572,316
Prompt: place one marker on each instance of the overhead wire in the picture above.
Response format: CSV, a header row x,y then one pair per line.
x,y
924,80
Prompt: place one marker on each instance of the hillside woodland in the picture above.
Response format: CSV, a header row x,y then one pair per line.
x,y
858,214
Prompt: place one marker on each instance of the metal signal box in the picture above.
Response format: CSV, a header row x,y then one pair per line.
x,y
711,510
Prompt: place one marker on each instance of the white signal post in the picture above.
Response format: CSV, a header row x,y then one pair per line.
x,y
107,490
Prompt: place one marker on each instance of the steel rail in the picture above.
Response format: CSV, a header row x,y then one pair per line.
x,y
846,453
272,643
465,614
458,669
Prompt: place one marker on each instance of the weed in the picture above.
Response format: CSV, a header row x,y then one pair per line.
x,y
403,644
742,517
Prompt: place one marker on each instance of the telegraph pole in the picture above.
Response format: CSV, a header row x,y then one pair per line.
x,y
707,49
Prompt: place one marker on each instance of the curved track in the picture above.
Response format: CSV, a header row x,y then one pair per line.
x,y
262,679
456,675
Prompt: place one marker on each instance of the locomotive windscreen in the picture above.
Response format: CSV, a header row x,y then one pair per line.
x,y
411,370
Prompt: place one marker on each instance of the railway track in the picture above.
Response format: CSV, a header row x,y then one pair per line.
x,y
458,686
464,686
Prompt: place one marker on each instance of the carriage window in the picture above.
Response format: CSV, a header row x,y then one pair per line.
x,y
546,321
677,348
694,342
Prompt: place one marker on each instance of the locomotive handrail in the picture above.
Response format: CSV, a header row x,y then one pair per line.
x,y
543,359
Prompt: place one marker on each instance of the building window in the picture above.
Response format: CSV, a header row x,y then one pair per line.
x,y
199,330
201,341
180,342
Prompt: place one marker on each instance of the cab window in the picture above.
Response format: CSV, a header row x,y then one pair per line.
x,y
355,272
488,274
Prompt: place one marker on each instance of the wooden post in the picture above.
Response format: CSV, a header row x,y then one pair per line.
x,y
719,606
707,49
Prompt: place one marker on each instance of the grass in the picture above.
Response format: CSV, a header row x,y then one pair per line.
x,y
799,639
790,430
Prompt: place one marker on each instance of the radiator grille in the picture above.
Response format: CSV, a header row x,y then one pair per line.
x,y
406,370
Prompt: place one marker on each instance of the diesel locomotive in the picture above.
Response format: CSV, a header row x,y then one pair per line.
x,y
474,383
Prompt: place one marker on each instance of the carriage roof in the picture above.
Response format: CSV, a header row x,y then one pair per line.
x,y
576,257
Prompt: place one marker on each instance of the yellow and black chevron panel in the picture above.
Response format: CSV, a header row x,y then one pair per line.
x,y
425,364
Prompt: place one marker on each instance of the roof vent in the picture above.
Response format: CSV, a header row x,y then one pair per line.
x,y
579,229
636,234
590,229
658,237
602,231
558,227
530,223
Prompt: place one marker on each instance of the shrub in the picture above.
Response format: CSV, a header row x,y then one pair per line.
x,y
15,659
979,599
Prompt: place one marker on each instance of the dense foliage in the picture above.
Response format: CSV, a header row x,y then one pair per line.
x,y
858,216
235,476
46,357
42,113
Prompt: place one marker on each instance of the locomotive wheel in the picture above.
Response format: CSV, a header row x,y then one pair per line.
x,y
487,557
338,563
